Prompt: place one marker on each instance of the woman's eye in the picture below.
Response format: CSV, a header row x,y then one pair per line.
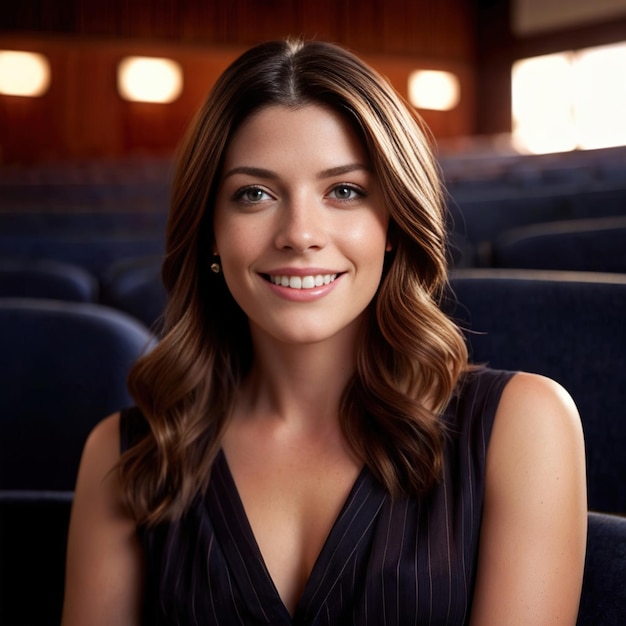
x,y
347,192
251,195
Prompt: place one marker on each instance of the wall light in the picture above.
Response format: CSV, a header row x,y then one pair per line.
x,y
149,79
432,89
23,73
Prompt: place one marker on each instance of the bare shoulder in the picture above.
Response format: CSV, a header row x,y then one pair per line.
x,y
527,391
538,435
104,563
533,533
103,442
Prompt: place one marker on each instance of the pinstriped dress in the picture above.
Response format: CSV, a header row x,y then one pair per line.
x,y
386,562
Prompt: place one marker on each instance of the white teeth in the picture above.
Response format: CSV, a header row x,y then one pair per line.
x,y
303,282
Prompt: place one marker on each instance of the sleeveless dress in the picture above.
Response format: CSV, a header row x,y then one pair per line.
x,y
385,562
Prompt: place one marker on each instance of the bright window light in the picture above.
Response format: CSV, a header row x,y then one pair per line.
x,y
149,79
542,104
601,96
570,100
23,73
431,89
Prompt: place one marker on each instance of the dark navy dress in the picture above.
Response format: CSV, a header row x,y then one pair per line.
x,y
386,562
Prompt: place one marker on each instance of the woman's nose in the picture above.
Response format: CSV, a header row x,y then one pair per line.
x,y
301,225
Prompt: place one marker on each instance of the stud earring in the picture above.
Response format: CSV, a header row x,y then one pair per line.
x,y
216,268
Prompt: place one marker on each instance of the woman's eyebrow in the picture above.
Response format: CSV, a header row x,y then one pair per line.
x,y
342,169
260,172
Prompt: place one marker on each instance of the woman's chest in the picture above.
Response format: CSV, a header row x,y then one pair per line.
x,y
398,561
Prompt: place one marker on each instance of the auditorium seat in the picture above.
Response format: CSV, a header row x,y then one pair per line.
x,y
135,286
568,326
595,245
603,599
92,251
42,278
33,540
63,367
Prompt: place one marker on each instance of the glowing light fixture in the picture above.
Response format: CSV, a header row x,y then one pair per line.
x,y
23,73
149,79
432,89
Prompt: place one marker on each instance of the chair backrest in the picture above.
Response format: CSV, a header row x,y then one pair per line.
x,y
94,251
570,327
135,286
603,599
33,540
43,278
63,367
593,245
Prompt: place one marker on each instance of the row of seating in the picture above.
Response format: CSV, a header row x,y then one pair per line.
x,y
568,326
527,241
91,237
63,365
132,285
597,245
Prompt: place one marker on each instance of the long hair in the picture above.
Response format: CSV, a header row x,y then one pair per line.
x,y
410,356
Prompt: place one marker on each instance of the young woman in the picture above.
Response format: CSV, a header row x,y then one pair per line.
x,y
309,444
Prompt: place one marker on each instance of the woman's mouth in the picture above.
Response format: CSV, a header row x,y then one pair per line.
x,y
302,282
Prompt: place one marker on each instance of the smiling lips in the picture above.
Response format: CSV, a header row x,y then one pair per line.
x,y
302,282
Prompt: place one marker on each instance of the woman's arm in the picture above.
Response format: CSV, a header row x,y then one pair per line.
x,y
104,566
533,535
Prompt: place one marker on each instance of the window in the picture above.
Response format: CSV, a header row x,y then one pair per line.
x,y
570,100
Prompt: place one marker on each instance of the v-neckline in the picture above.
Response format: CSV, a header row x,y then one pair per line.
x,y
241,549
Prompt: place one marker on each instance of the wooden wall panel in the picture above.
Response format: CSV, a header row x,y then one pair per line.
x,y
83,117
422,27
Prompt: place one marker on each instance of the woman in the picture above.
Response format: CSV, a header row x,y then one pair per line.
x,y
309,444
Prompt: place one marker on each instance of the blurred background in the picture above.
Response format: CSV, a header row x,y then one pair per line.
x,y
459,61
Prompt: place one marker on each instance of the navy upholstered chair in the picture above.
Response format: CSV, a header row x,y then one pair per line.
x,y
568,326
94,251
63,367
595,245
135,286
603,599
43,278
33,540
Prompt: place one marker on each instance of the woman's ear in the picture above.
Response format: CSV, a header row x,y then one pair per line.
x,y
392,237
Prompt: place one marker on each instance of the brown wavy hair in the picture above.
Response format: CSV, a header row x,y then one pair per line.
x,y
410,355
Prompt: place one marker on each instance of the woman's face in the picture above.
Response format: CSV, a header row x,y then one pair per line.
x,y
299,224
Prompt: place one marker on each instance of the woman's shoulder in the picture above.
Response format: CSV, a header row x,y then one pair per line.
x,y
104,437
509,396
534,405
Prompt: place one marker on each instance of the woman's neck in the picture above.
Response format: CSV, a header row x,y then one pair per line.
x,y
298,386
